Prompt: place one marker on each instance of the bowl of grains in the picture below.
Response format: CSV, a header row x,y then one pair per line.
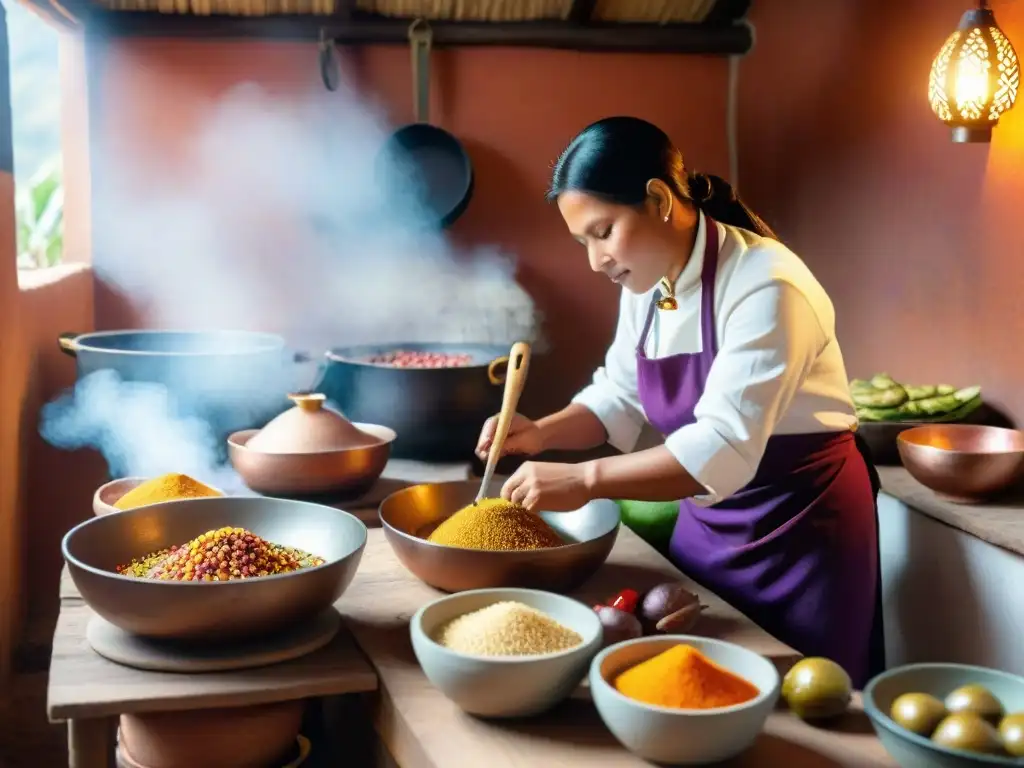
x,y
217,568
505,652
453,544
683,699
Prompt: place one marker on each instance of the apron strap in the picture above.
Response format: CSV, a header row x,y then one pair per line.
x,y
708,273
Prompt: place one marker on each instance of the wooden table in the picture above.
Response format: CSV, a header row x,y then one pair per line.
x,y
416,724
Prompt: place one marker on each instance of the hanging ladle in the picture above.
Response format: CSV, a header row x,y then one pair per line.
x,y
515,380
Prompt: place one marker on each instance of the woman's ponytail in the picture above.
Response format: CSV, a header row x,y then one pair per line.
x,y
717,199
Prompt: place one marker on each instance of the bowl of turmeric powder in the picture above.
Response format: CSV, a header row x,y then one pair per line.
x,y
131,492
682,699
453,543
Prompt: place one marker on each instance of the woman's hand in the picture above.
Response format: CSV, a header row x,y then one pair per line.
x,y
542,485
523,438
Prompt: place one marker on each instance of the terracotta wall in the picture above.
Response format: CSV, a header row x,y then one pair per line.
x,y
915,237
12,382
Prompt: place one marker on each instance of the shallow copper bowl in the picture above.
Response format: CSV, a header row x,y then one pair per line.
x,y
963,462
350,470
411,514
213,611
108,494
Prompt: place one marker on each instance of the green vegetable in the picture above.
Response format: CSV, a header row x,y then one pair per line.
x,y
883,381
941,408
652,521
880,398
921,393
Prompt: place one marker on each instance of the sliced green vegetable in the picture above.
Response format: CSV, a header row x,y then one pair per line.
x,y
922,392
937,409
880,398
883,381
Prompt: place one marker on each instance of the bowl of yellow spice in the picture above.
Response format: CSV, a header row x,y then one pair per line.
x,y
681,699
453,543
505,652
131,492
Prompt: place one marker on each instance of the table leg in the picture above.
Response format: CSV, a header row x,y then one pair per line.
x,y
91,742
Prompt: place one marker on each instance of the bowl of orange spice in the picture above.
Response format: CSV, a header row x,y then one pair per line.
x,y
683,700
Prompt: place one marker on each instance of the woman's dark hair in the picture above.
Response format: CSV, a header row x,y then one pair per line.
x,y
613,159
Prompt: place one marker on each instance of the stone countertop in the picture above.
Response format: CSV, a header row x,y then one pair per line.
x,y
999,522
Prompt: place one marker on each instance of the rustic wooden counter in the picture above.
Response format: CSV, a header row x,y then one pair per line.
x,y
1000,522
416,724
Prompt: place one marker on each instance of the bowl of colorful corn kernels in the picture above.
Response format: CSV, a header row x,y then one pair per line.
x,y
215,569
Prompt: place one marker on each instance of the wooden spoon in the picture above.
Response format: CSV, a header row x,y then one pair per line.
x,y
515,381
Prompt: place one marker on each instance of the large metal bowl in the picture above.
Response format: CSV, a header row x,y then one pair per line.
x,y
213,611
409,515
963,462
349,470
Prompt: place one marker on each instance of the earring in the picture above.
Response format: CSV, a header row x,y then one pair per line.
x,y
668,213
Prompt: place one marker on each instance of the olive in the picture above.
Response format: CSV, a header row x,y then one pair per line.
x,y
918,712
618,625
817,689
1011,729
976,699
968,731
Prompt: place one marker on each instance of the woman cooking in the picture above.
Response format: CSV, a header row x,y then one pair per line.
x,y
726,345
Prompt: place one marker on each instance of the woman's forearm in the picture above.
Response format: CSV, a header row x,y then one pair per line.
x,y
650,475
574,428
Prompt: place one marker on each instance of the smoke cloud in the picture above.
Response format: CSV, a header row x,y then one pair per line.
x,y
286,222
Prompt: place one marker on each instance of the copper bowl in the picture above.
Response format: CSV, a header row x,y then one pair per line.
x,y
963,462
108,494
213,611
350,470
409,515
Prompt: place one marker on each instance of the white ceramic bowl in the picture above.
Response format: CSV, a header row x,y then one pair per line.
x,y
683,736
505,686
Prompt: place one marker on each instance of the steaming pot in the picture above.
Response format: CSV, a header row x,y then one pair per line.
x,y
233,380
436,412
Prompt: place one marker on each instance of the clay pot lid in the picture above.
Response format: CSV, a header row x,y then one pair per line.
x,y
310,427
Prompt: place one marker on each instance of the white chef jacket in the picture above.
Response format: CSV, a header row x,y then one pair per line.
x,y
779,369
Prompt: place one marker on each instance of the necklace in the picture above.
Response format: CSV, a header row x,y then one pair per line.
x,y
668,299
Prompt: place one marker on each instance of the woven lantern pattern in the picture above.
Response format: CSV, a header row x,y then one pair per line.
x,y
974,78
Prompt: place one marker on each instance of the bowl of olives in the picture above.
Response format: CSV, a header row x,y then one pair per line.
x,y
948,715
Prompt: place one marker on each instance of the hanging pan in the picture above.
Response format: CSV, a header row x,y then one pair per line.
x,y
429,159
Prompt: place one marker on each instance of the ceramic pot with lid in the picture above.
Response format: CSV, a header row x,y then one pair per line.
x,y
311,449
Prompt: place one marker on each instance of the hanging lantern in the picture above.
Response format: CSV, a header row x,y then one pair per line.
x,y
974,77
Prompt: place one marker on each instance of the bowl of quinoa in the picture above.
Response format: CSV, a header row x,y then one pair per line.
x,y
504,653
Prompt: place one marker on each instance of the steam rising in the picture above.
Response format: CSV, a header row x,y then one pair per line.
x,y
281,223
137,428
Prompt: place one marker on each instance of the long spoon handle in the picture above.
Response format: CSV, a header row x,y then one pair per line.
x,y
515,381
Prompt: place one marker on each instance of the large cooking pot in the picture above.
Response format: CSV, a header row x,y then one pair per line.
x,y
231,379
436,412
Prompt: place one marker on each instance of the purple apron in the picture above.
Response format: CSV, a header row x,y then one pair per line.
x,y
796,550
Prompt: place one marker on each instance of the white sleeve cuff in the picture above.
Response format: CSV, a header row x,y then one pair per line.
x,y
710,460
616,415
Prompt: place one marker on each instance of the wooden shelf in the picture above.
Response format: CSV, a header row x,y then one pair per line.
x,y
722,34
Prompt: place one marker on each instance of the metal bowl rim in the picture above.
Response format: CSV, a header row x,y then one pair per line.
x,y
243,434
882,720
901,440
490,552
274,342
417,620
341,354
76,563
762,696
141,480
